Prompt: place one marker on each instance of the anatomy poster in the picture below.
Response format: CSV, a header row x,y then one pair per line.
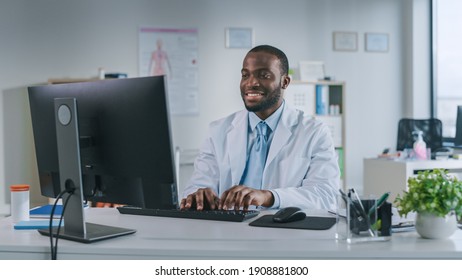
x,y
173,53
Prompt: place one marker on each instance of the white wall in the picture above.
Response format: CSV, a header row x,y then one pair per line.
x,y
45,39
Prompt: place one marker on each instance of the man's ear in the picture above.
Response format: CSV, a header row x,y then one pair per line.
x,y
285,81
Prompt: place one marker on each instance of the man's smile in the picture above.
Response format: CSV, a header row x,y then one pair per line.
x,y
254,93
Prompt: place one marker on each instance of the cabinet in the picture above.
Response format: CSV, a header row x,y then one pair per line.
x,y
385,175
323,100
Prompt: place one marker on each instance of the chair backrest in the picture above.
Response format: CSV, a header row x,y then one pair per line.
x,y
432,133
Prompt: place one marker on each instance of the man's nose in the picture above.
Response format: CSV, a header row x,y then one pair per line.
x,y
253,81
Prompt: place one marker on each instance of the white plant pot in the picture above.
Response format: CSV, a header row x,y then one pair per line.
x,y
435,227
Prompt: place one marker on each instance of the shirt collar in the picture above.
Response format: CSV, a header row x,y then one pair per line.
x,y
271,121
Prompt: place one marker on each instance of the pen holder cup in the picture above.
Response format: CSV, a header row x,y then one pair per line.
x,y
361,221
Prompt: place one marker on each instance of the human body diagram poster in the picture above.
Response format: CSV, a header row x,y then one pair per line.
x,y
173,53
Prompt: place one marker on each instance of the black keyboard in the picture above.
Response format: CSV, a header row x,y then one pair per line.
x,y
217,215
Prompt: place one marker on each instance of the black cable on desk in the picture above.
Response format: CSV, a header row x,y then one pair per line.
x,y
54,249
50,225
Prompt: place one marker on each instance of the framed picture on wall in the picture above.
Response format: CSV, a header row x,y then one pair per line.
x,y
345,41
376,42
311,70
238,38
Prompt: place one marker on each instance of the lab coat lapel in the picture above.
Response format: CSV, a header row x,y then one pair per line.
x,y
237,151
281,135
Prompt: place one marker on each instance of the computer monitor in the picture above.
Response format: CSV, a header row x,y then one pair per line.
x,y
458,138
125,145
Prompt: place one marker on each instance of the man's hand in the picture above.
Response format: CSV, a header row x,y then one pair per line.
x,y
202,198
242,197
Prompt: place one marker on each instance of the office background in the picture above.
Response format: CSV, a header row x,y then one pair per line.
x,y
71,39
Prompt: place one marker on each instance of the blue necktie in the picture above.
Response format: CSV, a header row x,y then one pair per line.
x,y
257,158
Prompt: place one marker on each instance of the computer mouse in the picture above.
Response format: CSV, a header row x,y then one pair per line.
x,y
289,214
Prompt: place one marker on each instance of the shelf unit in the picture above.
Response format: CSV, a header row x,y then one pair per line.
x,y
323,100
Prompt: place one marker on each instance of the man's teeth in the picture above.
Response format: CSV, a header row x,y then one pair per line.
x,y
253,94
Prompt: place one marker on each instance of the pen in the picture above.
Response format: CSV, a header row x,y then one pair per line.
x,y
344,196
379,203
363,211
358,213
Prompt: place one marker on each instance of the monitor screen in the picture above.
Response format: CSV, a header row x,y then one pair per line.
x,y
125,140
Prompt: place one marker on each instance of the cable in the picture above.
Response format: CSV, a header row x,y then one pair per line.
x,y
50,225
59,224
54,249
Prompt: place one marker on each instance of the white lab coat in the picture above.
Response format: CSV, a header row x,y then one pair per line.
x,y
301,167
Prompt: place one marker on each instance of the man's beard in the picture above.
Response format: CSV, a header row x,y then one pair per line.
x,y
271,100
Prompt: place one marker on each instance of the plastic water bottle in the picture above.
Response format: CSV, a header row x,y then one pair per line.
x,y
420,147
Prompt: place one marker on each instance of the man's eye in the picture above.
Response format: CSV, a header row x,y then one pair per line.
x,y
265,76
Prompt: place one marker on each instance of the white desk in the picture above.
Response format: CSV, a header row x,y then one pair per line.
x,y
169,238
383,175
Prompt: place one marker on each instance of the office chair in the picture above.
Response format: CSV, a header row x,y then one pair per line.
x,y
432,133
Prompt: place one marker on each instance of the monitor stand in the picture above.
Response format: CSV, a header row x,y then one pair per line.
x,y
67,134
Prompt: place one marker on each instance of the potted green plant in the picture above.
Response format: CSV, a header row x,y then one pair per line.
x,y
436,198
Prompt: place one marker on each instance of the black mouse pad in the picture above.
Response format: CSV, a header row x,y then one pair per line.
x,y
314,223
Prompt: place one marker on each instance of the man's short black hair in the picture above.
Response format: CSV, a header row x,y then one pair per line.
x,y
277,52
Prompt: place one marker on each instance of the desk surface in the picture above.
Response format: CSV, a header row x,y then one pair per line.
x,y
170,238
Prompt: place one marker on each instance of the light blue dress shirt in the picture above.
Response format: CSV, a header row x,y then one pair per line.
x,y
272,122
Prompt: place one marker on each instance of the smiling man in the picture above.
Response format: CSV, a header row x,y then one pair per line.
x,y
268,155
